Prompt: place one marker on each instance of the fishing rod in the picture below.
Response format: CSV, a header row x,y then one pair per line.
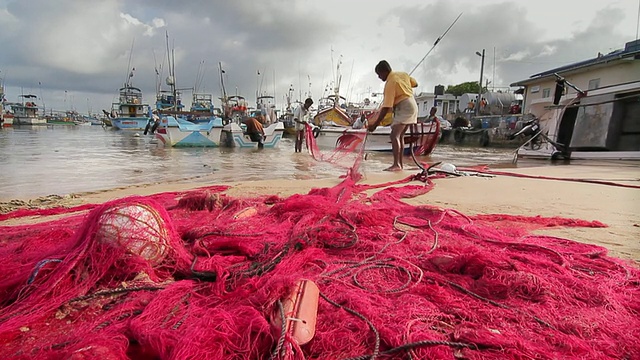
x,y
436,43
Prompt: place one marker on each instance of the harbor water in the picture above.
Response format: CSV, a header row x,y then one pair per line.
x,y
55,159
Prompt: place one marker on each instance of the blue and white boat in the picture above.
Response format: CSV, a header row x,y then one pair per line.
x,y
178,132
233,135
130,113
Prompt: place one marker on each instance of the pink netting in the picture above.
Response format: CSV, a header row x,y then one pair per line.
x,y
199,275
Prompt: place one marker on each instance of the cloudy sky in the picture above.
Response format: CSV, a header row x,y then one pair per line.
x,y
75,53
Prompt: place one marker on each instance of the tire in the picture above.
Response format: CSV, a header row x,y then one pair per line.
x,y
316,132
484,139
458,135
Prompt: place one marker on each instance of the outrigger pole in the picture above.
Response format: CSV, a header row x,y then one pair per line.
x,y
436,43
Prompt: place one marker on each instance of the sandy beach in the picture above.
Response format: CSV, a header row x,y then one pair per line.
x,y
618,207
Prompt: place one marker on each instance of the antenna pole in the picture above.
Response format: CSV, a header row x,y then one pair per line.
x,y
436,43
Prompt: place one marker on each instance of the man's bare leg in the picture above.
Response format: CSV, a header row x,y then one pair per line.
x,y
396,133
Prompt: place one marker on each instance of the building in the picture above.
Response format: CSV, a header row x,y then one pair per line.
x,y
618,67
595,113
447,104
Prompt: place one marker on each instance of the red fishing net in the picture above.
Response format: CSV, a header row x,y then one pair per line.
x,y
203,275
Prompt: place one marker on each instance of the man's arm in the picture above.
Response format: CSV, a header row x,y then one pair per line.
x,y
381,115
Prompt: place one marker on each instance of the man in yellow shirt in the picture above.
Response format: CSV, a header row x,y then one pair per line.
x,y
398,97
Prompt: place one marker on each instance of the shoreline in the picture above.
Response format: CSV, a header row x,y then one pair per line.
x,y
618,207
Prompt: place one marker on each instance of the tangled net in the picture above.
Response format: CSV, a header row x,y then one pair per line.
x,y
202,275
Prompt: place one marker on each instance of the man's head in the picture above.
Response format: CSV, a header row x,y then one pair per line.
x,y
383,69
433,111
308,103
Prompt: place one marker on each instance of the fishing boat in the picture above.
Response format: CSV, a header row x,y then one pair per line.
x,y
265,104
26,112
178,132
6,119
420,137
233,135
3,121
202,109
130,113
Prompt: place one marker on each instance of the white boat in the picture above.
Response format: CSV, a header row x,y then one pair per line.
x,y
335,130
597,124
26,112
422,137
233,135
177,132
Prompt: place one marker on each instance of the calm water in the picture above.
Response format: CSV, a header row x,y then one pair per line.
x,y
43,160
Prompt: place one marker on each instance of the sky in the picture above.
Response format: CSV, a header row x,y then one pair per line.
x,y
76,54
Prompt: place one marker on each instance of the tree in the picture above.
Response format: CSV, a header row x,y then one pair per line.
x,y
466,87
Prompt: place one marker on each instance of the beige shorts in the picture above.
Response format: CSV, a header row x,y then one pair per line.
x,y
405,112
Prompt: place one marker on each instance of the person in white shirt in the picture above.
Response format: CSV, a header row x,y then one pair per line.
x,y
301,117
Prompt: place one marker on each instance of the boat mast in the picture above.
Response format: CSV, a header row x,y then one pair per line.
x,y
171,78
129,75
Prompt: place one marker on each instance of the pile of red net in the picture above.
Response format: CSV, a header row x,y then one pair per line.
x,y
199,275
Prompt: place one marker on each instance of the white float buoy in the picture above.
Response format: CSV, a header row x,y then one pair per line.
x,y
137,228
448,167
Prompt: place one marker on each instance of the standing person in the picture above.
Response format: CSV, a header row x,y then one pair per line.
x,y
398,97
301,117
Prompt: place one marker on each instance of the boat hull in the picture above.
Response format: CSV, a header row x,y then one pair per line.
x,y
19,120
130,123
181,133
378,140
7,121
234,136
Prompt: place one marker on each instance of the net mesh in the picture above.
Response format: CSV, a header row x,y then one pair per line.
x,y
199,274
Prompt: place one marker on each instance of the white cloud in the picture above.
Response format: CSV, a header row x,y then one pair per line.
x,y
85,46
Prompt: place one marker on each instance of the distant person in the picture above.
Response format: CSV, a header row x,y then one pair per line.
x,y
301,117
361,122
398,97
470,106
444,124
255,130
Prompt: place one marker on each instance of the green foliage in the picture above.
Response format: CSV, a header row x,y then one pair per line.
x,y
466,87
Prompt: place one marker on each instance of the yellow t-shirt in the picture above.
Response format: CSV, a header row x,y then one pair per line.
x,y
397,88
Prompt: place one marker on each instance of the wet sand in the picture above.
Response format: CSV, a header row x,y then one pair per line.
x,y
618,207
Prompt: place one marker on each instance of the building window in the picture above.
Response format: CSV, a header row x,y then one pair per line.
x,y
535,89
594,84
546,92
426,106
